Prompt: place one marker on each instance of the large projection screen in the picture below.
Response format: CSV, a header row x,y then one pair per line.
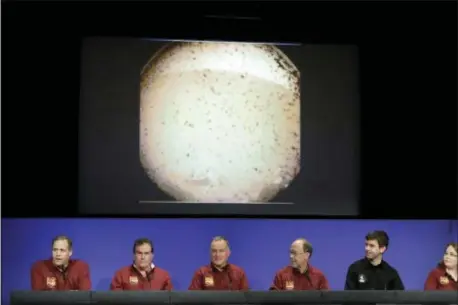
x,y
207,127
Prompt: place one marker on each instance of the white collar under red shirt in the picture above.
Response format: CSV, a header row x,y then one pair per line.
x,y
152,267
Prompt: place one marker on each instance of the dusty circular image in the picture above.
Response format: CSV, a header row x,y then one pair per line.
x,y
220,122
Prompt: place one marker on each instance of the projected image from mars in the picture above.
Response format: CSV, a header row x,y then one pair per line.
x,y
217,128
220,122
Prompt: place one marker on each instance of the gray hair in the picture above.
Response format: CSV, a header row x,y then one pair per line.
x,y
221,238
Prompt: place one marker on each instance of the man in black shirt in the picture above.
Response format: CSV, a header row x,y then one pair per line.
x,y
372,272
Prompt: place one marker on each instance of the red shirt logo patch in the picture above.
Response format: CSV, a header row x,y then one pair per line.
x,y
289,285
444,280
209,281
51,282
133,280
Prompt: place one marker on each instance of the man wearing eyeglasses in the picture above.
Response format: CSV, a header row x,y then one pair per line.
x,y
300,275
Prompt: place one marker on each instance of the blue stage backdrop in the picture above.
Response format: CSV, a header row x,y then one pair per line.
x,y
259,246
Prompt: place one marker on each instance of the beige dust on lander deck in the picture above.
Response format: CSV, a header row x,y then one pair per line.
x,y
220,122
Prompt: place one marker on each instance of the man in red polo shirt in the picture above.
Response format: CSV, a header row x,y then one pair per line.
x,y
142,274
300,275
219,274
60,272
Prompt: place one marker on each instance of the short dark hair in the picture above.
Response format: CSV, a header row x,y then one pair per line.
x,y
63,237
381,237
142,241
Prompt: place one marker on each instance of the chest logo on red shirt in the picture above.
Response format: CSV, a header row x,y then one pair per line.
x,y
444,280
289,285
208,281
51,282
133,280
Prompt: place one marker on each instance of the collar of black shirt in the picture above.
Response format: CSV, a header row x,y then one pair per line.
x,y
382,264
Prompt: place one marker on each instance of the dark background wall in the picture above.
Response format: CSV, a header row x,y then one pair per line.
x,y
260,246
408,80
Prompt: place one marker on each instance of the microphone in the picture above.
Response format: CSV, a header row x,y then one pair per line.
x,y
63,270
307,276
65,278
229,280
149,277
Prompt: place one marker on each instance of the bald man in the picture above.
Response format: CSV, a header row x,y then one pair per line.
x,y
219,274
300,275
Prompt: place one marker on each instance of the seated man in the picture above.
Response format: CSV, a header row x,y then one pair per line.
x,y
300,275
219,274
142,274
60,272
372,272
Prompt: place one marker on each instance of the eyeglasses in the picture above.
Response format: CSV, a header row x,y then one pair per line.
x,y
296,254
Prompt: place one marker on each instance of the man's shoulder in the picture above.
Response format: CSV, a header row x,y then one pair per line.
x,y
285,270
357,264
124,270
236,268
161,271
316,271
203,269
40,264
79,263
389,268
